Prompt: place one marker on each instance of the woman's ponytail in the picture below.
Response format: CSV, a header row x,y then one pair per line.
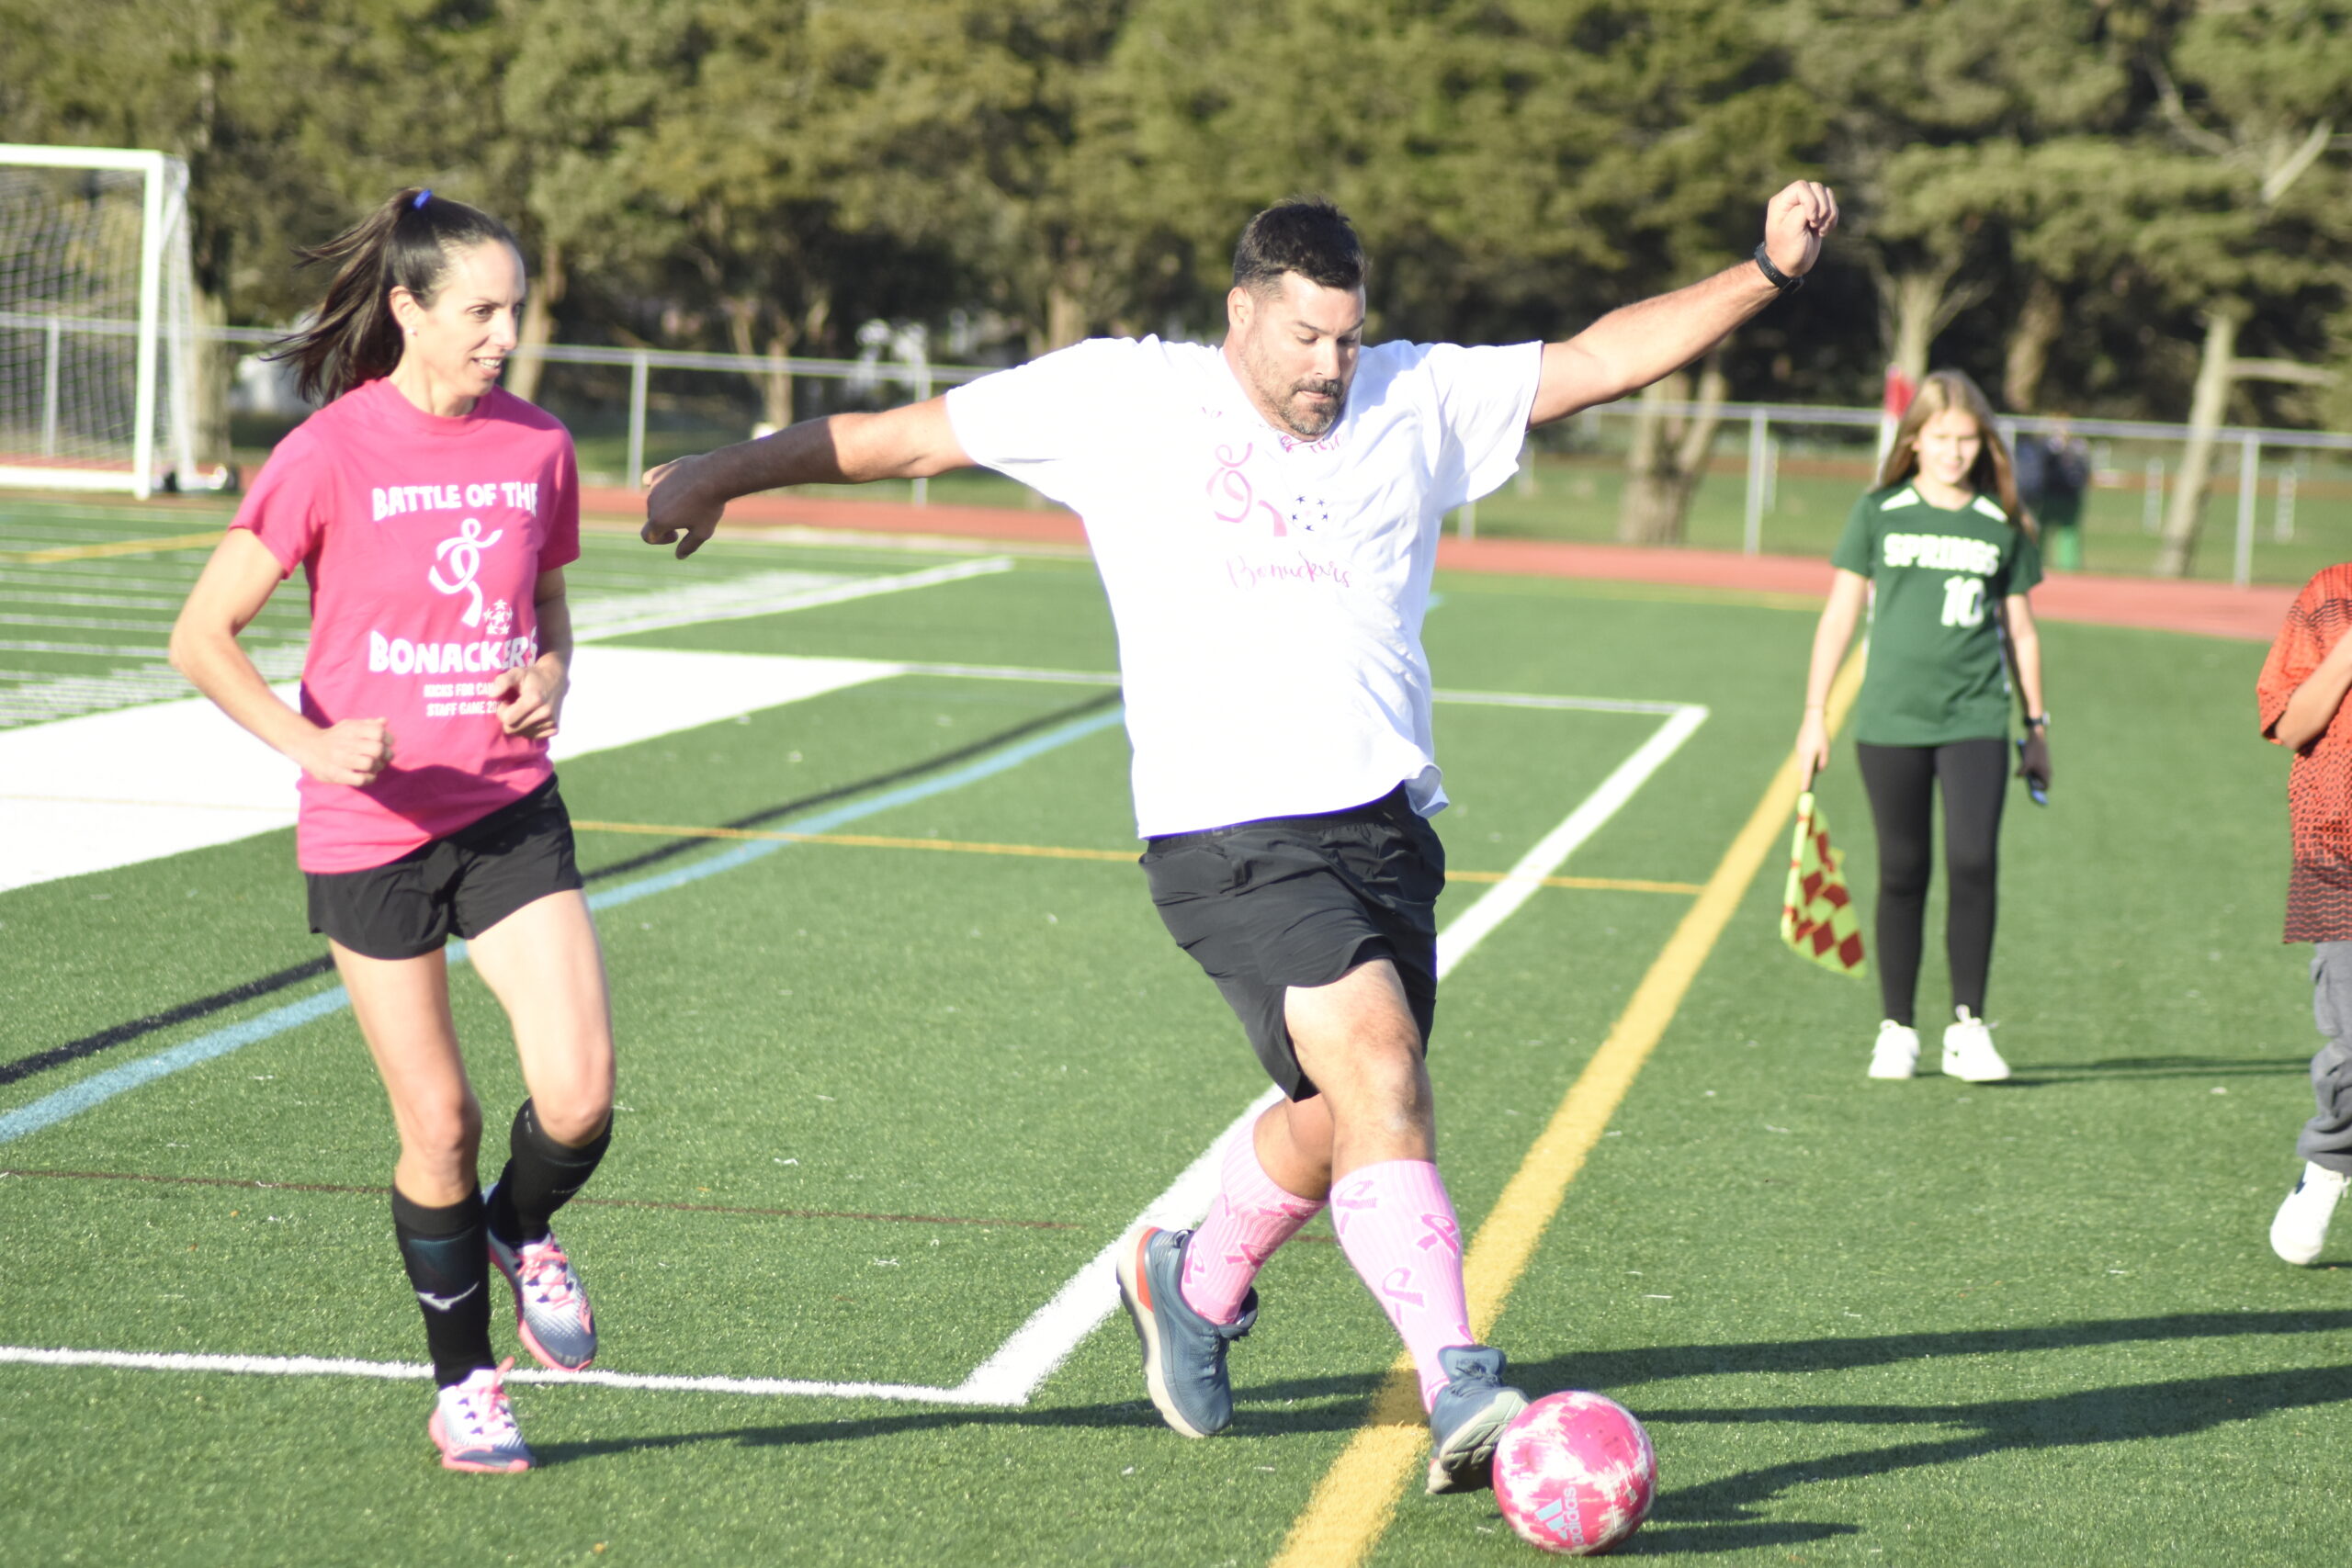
x,y
408,243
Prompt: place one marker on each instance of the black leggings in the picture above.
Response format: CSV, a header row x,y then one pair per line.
x,y
1902,784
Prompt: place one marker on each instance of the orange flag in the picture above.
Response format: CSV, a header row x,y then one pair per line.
x,y
1817,916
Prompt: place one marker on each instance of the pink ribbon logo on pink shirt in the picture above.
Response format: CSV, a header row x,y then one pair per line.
x,y
462,553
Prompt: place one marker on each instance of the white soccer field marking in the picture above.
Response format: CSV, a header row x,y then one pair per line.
x,y
1013,1373
86,793
112,789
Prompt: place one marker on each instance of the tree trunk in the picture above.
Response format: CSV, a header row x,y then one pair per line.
x,y
1669,455
2040,320
537,327
772,381
1911,311
2215,374
215,372
1065,317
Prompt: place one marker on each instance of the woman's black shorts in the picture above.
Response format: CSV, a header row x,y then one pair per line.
x,y
1300,901
461,884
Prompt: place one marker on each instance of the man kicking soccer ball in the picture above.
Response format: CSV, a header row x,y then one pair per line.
x,y
1265,517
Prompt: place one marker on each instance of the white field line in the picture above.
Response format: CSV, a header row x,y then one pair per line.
x,y
719,601
1467,699
337,1367
46,696
1027,1360
1524,880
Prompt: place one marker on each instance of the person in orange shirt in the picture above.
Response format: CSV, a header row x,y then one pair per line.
x,y
2301,696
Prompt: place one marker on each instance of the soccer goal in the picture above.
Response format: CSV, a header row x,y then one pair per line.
x,y
97,332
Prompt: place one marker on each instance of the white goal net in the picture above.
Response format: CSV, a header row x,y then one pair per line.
x,y
97,346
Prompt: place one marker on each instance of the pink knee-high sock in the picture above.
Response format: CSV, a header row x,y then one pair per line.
x,y
1251,1216
1397,1227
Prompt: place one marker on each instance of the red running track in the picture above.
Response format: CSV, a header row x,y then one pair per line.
x,y
2206,609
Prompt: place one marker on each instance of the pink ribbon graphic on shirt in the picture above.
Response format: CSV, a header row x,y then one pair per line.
x,y
1239,491
462,552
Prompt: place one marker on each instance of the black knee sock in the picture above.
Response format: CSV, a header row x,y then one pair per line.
x,y
540,1177
448,1265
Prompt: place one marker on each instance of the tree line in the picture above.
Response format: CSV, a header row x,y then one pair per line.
x,y
2127,207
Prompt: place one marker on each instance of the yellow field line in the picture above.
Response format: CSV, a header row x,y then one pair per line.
x,y
862,840
118,547
1606,883
1049,852
1353,1504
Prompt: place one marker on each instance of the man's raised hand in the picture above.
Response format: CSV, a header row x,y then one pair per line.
x,y
675,510
1795,225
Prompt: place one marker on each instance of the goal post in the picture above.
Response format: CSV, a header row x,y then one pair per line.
x,y
98,328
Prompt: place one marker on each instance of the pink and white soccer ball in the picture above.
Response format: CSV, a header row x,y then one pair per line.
x,y
1575,1473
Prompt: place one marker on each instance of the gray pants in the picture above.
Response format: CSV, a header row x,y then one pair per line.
x,y
2326,1138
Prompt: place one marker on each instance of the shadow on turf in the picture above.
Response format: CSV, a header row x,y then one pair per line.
x,y
2033,1074
1617,1369
1337,1406
1337,1402
1715,1516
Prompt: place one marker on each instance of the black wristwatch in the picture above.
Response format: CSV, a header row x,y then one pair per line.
x,y
2039,721
1774,276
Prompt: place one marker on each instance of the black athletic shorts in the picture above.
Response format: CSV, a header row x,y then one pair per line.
x,y
463,884
1300,901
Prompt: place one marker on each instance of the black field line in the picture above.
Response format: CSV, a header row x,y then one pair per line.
x,y
204,1006
255,1185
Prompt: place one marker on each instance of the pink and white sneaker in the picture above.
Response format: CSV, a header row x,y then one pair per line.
x,y
473,1425
551,1311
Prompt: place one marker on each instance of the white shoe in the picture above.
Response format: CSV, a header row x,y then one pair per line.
x,y
1896,1053
2301,1228
1969,1053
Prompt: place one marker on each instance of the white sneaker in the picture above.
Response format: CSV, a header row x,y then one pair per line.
x,y
2301,1228
1969,1053
1896,1054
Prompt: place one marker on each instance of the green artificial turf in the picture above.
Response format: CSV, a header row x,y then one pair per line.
x,y
888,1100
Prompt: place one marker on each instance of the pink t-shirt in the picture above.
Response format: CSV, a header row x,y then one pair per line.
x,y
422,540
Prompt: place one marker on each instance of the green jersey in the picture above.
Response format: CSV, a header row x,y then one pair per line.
x,y
1938,577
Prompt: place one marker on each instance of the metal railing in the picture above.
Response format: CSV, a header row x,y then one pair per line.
x,y
921,377
2251,442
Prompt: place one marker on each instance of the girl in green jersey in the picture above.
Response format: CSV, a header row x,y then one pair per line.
x,y
1945,558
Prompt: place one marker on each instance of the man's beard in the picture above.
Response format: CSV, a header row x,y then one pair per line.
x,y
1307,424
1315,421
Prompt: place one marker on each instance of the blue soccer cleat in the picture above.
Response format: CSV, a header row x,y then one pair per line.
x,y
1183,1353
1468,1418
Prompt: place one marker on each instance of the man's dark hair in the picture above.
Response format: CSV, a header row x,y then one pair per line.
x,y
1307,235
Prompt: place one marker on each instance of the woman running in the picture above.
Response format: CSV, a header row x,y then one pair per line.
x,y
1952,558
431,515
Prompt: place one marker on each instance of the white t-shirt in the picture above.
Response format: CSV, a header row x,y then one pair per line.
x,y
1268,591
